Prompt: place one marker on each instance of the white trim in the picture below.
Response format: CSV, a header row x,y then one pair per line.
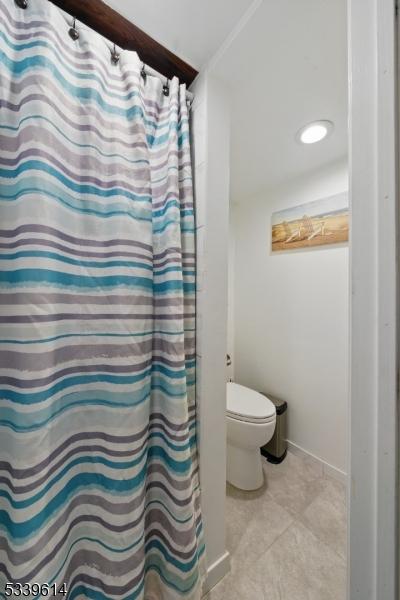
x,y
241,24
327,469
387,484
216,572
373,493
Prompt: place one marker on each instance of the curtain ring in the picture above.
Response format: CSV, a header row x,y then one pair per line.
x,y
143,73
73,32
114,56
166,88
22,3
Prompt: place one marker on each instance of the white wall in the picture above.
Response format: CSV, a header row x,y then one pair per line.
x,y
210,129
230,372
291,318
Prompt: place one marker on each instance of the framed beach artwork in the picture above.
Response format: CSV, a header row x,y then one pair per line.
x,y
317,223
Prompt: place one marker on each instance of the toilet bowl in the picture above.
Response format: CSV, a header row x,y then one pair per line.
x,y
251,420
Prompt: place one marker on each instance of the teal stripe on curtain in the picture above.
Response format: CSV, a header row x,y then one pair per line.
x,y
99,485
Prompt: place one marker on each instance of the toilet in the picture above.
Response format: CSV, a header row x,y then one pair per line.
x,y
251,420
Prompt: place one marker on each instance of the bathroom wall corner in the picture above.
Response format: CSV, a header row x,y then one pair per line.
x,y
211,144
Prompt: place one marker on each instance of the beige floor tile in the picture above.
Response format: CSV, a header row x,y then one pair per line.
x,y
326,517
294,484
252,527
298,566
236,587
287,540
241,508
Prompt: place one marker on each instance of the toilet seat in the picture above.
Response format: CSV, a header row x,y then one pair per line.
x,y
249,406
246,419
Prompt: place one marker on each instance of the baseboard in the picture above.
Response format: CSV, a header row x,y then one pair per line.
x,y
327,469
216,572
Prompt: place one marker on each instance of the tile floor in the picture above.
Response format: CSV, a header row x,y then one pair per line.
x,y
288,540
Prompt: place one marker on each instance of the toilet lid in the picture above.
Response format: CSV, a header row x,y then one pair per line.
x,y
246,404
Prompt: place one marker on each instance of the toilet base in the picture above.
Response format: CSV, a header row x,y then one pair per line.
x,y
244,468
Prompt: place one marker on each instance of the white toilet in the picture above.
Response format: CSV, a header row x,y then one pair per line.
x,y
251,420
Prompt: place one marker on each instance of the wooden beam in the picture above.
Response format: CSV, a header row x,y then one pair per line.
x,y
102,18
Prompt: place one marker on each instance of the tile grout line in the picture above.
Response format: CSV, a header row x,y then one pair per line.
x,y
296,519
314,480
302,513
321,541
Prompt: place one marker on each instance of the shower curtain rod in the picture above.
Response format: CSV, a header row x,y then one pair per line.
x,y
100,17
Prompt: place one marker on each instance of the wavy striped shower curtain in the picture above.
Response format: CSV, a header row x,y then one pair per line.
x,y
98,468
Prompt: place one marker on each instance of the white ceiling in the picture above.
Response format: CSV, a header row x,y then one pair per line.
x,y
286,67
192,29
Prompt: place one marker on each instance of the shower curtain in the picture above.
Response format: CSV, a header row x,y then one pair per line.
x,y
99,486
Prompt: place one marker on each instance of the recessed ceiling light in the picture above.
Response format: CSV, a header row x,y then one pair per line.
x,y
314,132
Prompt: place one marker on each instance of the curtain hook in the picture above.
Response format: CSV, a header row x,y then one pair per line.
x,y
114,56
73,32
22,3
143,72
166,88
